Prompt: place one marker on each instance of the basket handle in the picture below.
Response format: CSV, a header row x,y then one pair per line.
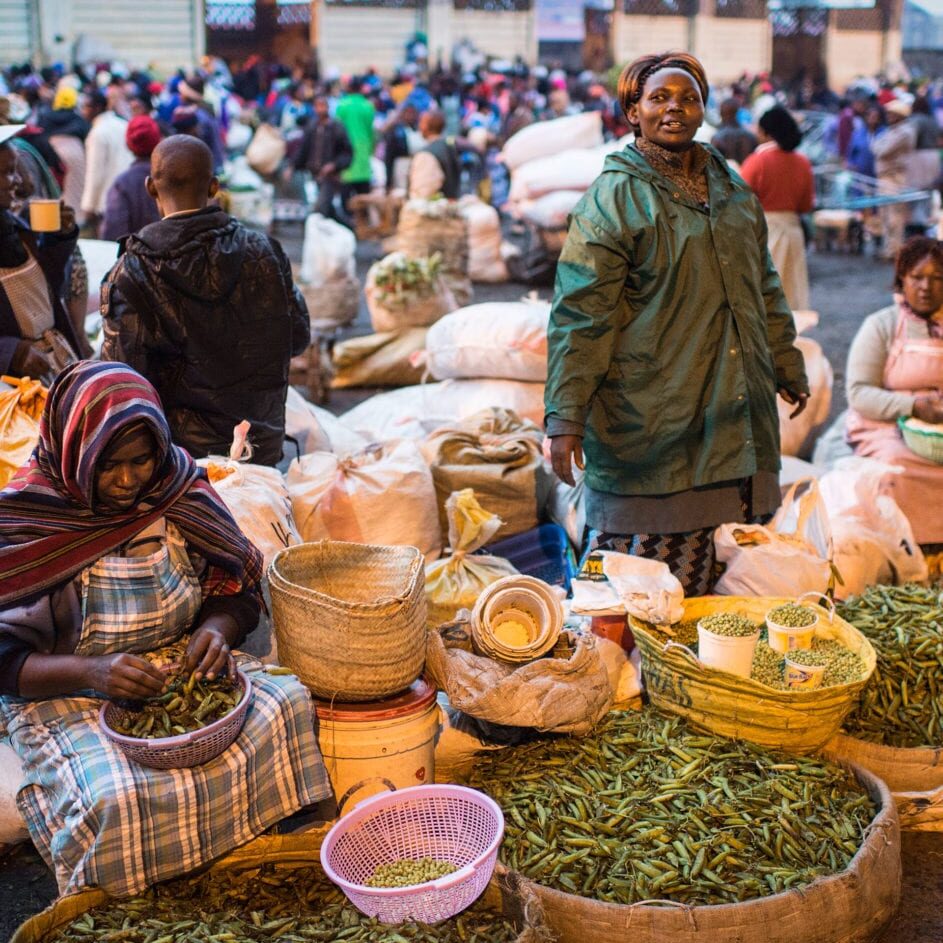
x,y
673,646
344,799
829,603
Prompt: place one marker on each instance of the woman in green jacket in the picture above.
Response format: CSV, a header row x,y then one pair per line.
x,y
669,337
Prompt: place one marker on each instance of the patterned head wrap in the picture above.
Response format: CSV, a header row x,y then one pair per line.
x,y
51,526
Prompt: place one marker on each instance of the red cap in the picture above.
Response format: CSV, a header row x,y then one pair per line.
x,y
142,136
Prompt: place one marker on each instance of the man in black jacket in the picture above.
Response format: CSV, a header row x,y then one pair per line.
x,y
206,309
325,151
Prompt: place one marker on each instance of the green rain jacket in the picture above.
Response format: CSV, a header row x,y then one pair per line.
x,y
669,333
356,113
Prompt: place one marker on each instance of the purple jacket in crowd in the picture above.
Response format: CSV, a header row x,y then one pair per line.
x,y
128,207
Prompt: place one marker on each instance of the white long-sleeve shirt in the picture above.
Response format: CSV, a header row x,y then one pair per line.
x,y
106,156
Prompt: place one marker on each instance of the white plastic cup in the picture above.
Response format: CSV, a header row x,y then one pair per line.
x,y
803,677
730,653
44,216
787,638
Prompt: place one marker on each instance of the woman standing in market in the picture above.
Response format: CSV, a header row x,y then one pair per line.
x,y
669,337
113,545
895,369
785,187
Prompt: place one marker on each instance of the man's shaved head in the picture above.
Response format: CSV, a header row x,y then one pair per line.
x,y
181,163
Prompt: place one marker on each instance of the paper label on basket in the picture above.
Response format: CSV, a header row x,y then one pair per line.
x,y
595,598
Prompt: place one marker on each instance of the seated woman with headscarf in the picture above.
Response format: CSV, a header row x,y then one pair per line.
x,y
113,544
37,336
895,369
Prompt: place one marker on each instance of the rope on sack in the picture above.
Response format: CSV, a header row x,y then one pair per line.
x,y
689,908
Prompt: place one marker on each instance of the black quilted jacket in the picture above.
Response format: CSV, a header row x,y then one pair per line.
x,y
206,309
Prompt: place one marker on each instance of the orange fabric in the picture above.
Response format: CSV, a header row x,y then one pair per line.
x,y
782,181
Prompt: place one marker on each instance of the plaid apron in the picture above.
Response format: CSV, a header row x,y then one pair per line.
x,y
98,818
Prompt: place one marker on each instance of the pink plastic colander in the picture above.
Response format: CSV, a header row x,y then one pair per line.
x,y
447,823
185,749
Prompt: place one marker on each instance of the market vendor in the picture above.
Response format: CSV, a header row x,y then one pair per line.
x,y
895,369
113,544
669,337
37,336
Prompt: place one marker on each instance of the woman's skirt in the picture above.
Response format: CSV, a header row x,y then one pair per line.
x,y
787,247
100,819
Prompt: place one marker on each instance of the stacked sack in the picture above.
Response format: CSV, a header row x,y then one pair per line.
x,y
485,355
427,227
328,271
485,262
406,291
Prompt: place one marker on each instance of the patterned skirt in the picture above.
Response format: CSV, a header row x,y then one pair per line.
x,y
100,819
690,556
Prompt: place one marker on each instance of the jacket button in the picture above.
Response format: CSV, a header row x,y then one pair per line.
x,y
733,351
676,195
740,396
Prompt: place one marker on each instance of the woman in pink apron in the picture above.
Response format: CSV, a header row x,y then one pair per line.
x,y
895,368
114,545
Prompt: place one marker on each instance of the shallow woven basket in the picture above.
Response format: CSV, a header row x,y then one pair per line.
x,y
350,618
928,445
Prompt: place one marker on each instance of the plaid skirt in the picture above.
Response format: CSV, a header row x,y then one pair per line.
x,y
100,819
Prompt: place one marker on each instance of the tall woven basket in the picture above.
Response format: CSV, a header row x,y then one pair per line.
x,y
350,618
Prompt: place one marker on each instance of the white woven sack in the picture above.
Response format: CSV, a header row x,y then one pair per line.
x,y
415,411
485,263
12,827
315,429
791,555
382,495
545,138
552,210
327,253
258,500
796,433
498,340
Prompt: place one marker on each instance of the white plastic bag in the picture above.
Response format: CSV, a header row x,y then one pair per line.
x,y
485,263
795,434
317,430
790,556
382,495
12,827
873,540
567,507
266,150
545,138
327,254
500,340
415,411
647,588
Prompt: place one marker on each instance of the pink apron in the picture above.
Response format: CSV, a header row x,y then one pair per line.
x,y
914,365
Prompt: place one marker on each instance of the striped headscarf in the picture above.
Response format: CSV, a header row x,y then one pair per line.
x,y
51,526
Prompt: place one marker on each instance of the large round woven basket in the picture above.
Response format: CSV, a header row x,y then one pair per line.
x,y
350,618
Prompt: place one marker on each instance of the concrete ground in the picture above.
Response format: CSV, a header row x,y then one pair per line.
x,y
844,290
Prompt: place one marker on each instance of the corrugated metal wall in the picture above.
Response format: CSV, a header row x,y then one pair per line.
x,y
16,27
142,32
352,38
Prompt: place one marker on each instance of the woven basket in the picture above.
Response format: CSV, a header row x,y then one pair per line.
x,y
350,618
928,445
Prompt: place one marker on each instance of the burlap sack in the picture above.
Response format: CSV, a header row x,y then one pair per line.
x,y
498,455
379,359
913,774
428,226
850,907
566,693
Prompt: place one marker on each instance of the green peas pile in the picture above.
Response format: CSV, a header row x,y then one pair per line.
x,y
730,625
408,873
792,616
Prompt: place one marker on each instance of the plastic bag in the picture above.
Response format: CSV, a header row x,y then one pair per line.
x,y
646,588
873,540
315,429
327,254
790,556
485,263
456,581
20,409
381,495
